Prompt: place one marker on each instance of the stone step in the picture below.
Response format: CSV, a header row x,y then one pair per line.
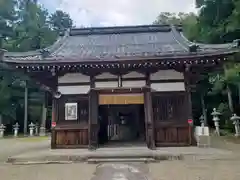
x,y
116,160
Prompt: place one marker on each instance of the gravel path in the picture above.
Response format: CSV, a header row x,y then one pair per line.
x,y
10,147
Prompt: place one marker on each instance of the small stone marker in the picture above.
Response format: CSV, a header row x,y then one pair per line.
x,y
202,136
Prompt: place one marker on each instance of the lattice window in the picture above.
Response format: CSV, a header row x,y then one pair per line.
x,y
83,109
168,107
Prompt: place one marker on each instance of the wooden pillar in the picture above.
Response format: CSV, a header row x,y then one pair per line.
x,y
25,108
149,123
187,74
93,119
54,115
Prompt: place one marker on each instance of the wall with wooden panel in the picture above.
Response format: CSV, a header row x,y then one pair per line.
x,y
74,83
133,83
107,84
168,86
73,78
166,75
79,89
70,138
71,133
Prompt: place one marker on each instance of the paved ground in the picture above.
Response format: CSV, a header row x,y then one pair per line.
x,y
188,169
81,155
167,170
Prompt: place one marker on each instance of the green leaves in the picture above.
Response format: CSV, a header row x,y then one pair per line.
x,y
61,21
25,26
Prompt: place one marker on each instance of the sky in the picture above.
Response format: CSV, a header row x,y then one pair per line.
x,y
89,13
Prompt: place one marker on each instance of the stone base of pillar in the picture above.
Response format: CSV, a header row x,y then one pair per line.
x,y
42,131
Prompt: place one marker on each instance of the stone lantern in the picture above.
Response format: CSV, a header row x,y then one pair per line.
x,y
31,128
216,120
235,119
202,121
16,128
2,129
36,129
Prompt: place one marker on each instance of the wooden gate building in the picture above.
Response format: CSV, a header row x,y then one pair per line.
x,y
110,83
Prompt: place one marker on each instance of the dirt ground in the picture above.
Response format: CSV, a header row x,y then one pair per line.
x,y
195,170
188,169
47,172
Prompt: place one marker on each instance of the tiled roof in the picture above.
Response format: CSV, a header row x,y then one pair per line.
x,y
116,43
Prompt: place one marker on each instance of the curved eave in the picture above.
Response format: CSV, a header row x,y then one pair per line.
x,y
206,47
184,57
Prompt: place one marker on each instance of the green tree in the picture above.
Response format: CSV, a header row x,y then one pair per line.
x,y
7,17
60,21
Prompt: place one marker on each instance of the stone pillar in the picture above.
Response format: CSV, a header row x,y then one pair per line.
x,y
235,120
216,120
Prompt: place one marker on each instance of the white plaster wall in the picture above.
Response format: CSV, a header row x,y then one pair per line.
x,y
73,89
107,84
106,76
133,74
164,87
166,74
141,83
73,78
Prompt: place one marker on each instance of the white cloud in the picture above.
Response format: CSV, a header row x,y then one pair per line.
x,y
118,12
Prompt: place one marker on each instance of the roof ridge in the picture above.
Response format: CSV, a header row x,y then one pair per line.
x,y
174,31
120,29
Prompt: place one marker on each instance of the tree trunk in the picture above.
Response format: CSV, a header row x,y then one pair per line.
x,y
204,112
25,109
238,93
230,102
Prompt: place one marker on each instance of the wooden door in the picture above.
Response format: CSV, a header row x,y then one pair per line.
x,y
170,118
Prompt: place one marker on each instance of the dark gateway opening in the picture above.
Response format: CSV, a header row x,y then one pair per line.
x,y
121,124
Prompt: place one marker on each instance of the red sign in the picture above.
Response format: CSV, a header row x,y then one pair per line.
x,y
190,121
54,124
